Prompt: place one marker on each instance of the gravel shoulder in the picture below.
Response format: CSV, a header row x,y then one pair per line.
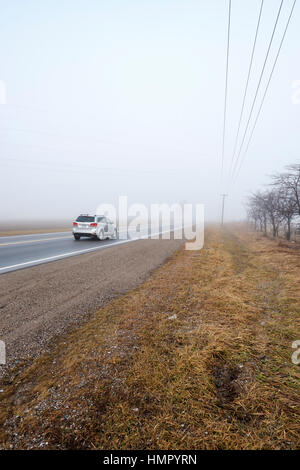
x,y
43,302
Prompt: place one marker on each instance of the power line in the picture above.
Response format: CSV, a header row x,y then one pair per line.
x,y
226,87
247,85
258,87
267,87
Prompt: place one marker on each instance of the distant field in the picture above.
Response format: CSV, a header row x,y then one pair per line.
x,y
27,227
197,357
33,231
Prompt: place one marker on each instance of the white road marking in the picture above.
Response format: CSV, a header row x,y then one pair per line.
x,y
39,239
33,241
41,260
33,234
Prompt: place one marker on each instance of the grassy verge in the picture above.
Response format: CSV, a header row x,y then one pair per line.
x,y
199,356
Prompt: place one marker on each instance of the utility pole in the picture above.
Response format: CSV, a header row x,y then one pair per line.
x,y
223,207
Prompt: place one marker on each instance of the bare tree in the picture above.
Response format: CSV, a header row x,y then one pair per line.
x,y
257,212
271,202
264,207
287,209
278,206
290,181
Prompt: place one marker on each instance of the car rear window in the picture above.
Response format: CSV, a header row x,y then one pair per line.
x,y
85,218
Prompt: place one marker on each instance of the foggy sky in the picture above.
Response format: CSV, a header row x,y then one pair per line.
x,y
125,97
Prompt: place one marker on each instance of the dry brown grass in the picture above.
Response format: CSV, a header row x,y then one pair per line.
x,y
198,357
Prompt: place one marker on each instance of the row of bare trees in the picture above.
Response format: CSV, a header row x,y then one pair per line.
x,y
278,207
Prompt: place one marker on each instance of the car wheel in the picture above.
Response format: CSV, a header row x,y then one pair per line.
x,y
114,237
101,235
77,237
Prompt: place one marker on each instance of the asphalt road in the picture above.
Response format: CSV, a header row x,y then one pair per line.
x,y
23,251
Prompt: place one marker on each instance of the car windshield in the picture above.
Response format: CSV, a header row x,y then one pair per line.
x,y
85,218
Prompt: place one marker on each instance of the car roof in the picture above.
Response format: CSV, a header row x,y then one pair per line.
x,y
91,215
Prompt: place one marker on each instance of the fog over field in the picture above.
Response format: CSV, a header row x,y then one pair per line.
x,y
108,98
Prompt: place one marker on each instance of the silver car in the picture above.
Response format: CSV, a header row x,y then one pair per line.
x,y
94,226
